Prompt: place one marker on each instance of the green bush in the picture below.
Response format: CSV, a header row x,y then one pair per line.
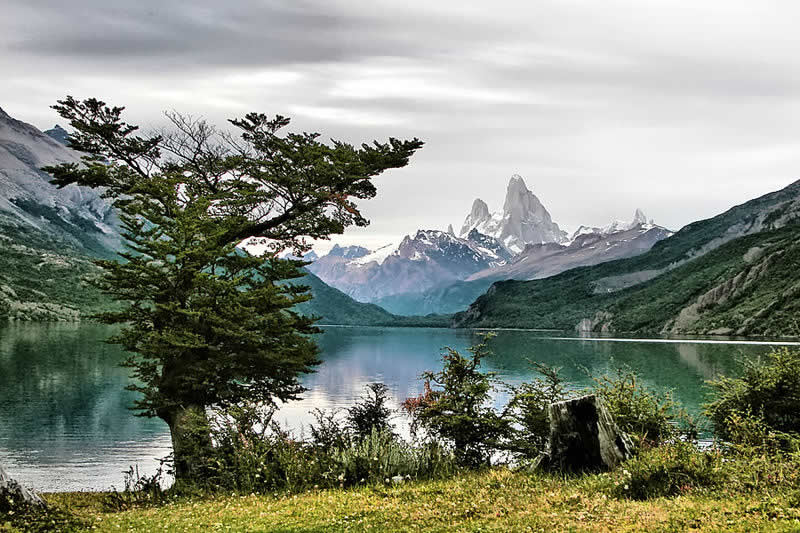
x,y
649,416
254,454
669,470
456,410
370,413
763,403
528,411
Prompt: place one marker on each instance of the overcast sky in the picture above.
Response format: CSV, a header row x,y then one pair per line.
x,y
682,108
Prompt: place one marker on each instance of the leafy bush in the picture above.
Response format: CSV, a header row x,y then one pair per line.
x,y
764,401
649,416
528,411
370,414
669,470
254,454
382,456
456,409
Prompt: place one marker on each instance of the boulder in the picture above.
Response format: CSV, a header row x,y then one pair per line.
x,y
584,437
14,496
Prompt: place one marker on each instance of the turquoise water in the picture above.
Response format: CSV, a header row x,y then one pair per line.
x,y
65,423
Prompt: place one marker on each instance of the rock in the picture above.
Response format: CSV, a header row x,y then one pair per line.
x,y
14,496
584,437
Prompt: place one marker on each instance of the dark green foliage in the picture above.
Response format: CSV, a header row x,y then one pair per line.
x,y
455,407
528,411
762,404
651,417
206,325
370,414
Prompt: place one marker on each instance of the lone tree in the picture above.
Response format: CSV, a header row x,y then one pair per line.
x,y
206,324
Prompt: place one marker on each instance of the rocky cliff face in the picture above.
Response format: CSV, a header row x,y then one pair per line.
x,y
74,214
524,220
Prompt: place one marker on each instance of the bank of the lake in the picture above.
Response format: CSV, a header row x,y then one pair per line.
x,y
496,500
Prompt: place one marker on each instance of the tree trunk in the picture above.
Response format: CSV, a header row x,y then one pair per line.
x,y
14,496
584,437
191,442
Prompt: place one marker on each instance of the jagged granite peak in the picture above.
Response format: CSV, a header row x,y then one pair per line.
x,y
450,230
639,221
478,215
348,252
524,220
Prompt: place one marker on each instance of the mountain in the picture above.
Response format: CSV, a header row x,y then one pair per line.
x,y
587,247
524,220
428,259
335,307
58,134
733,273
73,214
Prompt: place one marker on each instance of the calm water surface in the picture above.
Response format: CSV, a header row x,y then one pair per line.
x,y
65,423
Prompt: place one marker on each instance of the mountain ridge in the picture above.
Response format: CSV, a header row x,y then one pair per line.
x,y
606,297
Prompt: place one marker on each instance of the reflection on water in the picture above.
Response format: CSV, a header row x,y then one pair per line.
x,y
65,423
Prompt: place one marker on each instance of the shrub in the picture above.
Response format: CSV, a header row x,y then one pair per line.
x,y
669,470
382,456
528,411
254,454
649,416
370,414
140,490
766,399
328,431
456,409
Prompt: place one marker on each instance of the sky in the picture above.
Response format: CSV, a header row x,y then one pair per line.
x,y
681,108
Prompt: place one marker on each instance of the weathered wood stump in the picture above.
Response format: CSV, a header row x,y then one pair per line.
x,y
14,496
584,437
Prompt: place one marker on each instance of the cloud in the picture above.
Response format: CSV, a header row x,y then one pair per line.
x,y
680,108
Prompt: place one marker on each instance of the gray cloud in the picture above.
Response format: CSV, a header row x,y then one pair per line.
x,y
680,108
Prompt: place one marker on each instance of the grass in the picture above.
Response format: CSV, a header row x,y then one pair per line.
x,y
493,500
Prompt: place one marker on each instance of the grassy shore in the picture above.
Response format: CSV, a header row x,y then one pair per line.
x,y
495,500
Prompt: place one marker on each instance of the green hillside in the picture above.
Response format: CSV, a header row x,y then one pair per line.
x,y
734,273
42,278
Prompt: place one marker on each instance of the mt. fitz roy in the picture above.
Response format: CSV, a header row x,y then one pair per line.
x,y
524,220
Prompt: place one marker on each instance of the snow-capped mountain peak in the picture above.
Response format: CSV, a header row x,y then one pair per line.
x,y
523,220
639,221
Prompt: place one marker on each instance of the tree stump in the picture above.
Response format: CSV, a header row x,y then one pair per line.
x,y
14,496
584,437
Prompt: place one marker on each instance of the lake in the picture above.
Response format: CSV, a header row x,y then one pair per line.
x,y
65,422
